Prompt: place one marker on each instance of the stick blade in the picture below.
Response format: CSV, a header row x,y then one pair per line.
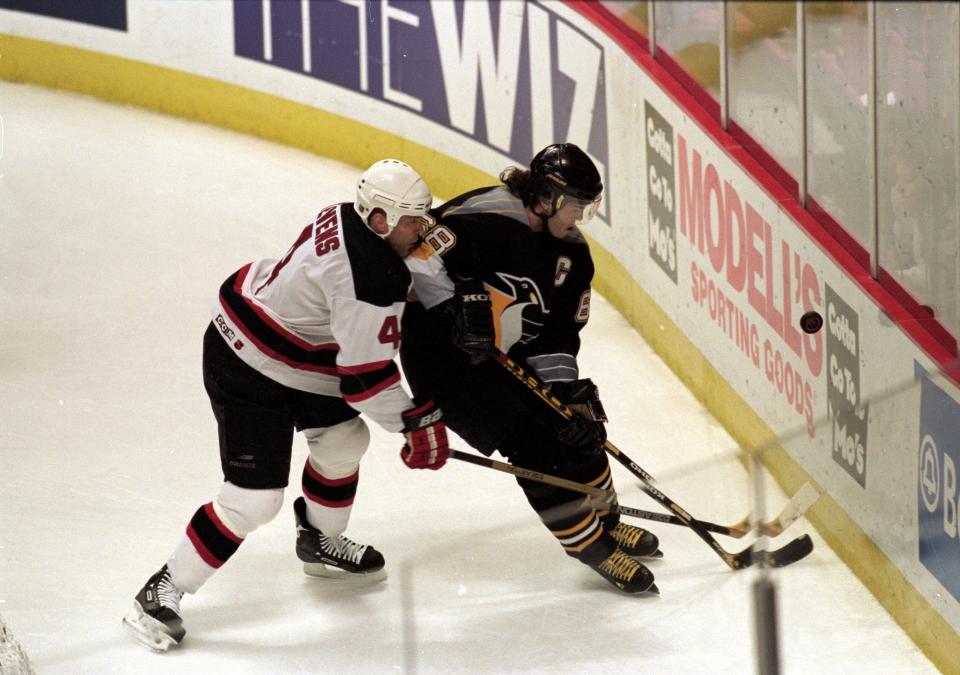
x,y
798,549
798,505
795,550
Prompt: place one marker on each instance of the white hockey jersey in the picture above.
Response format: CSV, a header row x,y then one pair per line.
x,y
325,318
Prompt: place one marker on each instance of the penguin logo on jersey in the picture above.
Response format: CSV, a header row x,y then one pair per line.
x,y
518,310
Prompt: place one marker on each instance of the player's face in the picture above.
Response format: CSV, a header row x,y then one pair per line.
x,y
406,235
570,213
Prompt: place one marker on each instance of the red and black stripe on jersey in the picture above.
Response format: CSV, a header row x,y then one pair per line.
x,y
358,383
213,540
270,337
332,492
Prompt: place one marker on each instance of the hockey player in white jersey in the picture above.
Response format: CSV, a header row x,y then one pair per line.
x,y
305,342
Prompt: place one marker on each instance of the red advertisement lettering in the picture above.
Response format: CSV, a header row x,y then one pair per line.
x,y
736,257
717,248
753,279
754,261
691,221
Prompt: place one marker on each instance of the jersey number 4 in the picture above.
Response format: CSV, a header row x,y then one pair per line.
x,y
390,332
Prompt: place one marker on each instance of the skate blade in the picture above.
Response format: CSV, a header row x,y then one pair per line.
x,y
322,571
148,631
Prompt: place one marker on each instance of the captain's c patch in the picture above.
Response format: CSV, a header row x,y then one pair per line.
x,y
564,265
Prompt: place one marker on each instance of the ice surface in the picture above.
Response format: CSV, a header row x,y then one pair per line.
x,y
116,228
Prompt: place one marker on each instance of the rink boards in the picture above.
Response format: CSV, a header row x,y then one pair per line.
x,y
709,259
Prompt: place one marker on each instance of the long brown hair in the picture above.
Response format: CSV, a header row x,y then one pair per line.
x,y
518,183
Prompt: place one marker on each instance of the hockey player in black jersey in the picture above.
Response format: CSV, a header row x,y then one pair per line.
x,y
305,342
506,269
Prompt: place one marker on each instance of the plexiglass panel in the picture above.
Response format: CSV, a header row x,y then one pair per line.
x,y
763,77
838,86
634,14
690,33
917,164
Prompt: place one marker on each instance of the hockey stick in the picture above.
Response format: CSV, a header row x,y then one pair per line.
x,y
793,551
603,499
795,509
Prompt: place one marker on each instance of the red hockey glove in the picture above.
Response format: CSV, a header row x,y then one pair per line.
x,y
426,446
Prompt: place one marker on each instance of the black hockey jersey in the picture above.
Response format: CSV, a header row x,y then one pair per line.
x,y
539,285
325,318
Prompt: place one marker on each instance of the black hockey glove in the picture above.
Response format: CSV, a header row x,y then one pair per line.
x,y
473,320
585,430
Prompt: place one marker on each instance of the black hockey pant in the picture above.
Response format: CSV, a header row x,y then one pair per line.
x,y
488,408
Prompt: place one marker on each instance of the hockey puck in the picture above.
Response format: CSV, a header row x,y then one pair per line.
x,y
811,322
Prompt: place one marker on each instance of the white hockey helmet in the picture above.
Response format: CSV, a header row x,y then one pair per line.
x,y
396,189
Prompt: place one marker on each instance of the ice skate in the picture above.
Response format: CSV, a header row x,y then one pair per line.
x,y
626,573
636,541
325,556
154,618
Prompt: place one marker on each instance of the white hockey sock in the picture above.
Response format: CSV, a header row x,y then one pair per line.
x,y
188,571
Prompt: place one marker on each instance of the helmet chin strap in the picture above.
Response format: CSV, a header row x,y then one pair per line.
x,y
544,217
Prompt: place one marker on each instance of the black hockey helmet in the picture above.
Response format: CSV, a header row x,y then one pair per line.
x,y
563,169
